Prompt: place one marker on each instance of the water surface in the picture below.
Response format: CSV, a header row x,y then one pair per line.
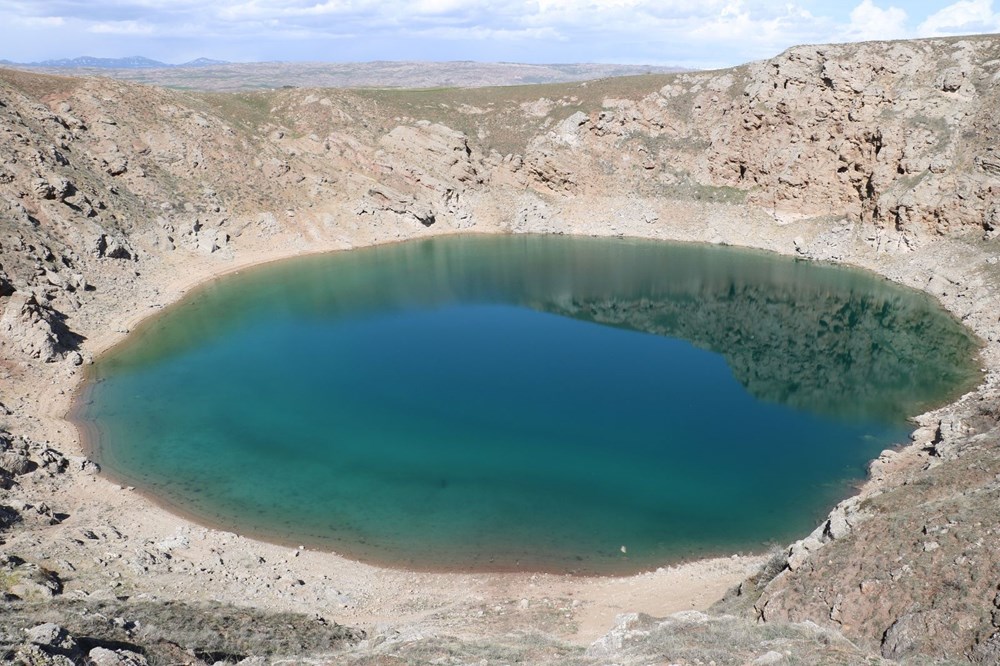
x,y
523,402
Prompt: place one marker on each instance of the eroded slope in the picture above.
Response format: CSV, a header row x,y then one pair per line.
x,y
881,154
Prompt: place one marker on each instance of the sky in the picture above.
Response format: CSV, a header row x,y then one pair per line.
x,y
687,33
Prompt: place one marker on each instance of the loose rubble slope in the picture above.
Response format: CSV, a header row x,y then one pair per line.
x,y
115,197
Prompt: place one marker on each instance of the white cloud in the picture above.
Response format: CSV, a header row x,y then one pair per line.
x,y
121,28
40,21
691,32
439,6
869,22
238,12
760,31
963,17
481,33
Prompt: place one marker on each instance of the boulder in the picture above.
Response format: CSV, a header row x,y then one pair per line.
x,y
100,656
110,247
34,329
31,582
53,461
15,462
951,79
49,645
904,636
34,655
799,552
50,635
115,165
628,628
43,189
14,458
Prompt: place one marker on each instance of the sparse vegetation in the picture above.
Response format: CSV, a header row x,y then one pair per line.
x,y
162,630
213,178
247,111
248,77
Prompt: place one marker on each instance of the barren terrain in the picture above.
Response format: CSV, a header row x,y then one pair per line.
x,y
239,77
115,198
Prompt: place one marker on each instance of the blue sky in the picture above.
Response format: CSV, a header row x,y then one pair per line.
x,y
694,33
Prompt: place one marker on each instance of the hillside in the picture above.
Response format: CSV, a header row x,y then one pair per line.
x,y
116,197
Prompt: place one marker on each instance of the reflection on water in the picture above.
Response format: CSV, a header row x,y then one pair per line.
x,y
497,402
817,337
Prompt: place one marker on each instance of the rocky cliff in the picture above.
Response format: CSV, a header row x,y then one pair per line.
x,y
878,154
895,139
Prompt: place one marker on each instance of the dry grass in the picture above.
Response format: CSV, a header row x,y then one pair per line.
x,y
492,115
248,111
39,85
162,629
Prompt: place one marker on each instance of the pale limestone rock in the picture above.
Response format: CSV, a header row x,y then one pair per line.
x,y
50,635
32,328
628,627
104,657
428,172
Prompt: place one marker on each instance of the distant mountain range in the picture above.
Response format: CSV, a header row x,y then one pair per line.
x,y
131,62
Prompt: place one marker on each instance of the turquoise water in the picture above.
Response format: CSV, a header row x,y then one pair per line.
x,y
523,402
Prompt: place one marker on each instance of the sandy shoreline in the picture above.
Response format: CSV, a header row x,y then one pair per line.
x,y
176,293
241,570
592,601
121,199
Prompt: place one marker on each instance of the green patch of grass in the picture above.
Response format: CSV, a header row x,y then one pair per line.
x,y
249,111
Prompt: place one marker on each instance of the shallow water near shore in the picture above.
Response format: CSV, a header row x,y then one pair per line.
x,y
523,402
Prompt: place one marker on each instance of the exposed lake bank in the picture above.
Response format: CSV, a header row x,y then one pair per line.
x,y
120,197
522,403
235,568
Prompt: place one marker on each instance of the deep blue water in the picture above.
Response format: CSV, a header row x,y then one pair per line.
x,y
523,402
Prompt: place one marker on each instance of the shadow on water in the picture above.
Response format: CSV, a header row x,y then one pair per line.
x,y
823,338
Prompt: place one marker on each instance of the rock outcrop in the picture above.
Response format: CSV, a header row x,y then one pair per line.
x,y
428,171
34,329
51,645
878,154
